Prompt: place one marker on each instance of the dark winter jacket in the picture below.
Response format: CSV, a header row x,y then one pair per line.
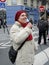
x,y
42,25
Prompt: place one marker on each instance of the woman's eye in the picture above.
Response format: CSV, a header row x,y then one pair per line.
x,y
24,15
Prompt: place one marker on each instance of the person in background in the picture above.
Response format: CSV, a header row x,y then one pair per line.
x,y
31,21
42,26
3,21
21,31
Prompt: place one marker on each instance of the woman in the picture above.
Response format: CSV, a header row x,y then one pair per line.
x,y
20,32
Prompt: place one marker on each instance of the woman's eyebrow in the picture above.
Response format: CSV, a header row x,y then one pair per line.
x,y
24,15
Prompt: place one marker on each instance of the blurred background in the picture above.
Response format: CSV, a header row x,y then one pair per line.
x,y
34,8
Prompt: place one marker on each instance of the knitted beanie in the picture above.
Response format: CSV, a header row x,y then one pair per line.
x,y
18,13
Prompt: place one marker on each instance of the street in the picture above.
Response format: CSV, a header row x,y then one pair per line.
x,y
41,55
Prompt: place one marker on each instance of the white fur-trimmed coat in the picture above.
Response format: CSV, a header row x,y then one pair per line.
x,y
17,35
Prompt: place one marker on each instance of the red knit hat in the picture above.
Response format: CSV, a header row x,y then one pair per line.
x,y
18,14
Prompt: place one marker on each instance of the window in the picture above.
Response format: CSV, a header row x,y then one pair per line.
x,y
13,2
31,3
25,2
43,2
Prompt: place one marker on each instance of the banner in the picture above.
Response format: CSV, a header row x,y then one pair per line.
x,y
2,5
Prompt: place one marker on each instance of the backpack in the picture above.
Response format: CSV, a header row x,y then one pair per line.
x,y
42,25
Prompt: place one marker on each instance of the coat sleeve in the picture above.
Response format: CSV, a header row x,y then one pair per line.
x,y
19,35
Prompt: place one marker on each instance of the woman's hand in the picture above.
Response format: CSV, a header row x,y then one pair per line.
x,y
29,25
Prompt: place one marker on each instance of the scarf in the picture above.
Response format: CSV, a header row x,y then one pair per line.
x,y
24,25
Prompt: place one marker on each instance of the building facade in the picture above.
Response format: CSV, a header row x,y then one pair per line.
x,y
30,3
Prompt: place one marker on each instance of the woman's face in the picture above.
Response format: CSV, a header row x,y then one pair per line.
x,y
23,18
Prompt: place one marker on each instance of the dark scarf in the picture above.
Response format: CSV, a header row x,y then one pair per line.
x,y
24,25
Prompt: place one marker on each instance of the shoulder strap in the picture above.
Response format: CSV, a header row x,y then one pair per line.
x,y
21,45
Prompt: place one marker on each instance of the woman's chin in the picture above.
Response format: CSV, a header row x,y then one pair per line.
x,y
24,22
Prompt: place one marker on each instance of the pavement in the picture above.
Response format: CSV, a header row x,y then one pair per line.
x,y
41,54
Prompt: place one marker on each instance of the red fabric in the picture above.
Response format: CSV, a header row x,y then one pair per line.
x,y
18,14
24,25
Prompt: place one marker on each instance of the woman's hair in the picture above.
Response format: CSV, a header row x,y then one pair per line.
x,y
18,13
